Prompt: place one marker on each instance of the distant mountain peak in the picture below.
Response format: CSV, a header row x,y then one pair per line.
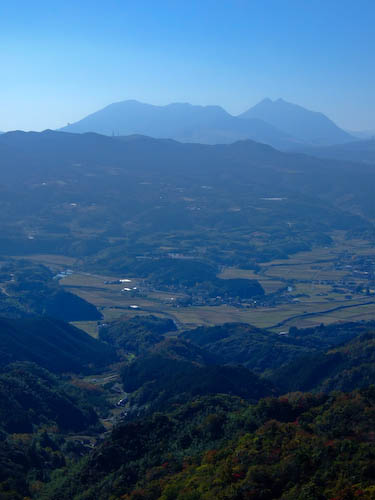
x,y
265,100
308,126
180,121
278,123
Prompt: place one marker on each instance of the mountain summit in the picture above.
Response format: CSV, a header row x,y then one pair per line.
x,y
180,121
134,117
307,126
280,124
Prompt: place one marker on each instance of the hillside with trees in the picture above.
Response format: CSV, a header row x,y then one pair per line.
x,y
300,446
53,344
344,368
31,289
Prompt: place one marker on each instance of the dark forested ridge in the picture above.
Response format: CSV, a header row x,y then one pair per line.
x,y
38,413
261,350
32,397
43,413
344,368
175,371
30,289
52,344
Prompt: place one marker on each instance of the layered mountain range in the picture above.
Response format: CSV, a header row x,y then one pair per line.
x,y
278,123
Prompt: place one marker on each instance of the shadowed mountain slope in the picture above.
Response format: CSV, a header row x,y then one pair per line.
x,y
52,344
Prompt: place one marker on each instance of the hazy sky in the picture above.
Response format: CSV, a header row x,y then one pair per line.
x,y
61,60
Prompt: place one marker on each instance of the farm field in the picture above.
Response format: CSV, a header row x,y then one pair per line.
x,y
277,318
325,285
317,293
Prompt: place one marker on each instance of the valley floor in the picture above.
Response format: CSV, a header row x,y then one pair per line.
x,y
325,285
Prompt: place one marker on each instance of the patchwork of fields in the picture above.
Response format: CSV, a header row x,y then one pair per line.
x,y
321,286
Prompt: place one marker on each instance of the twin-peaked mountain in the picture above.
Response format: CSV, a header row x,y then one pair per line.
x,y
305,125
280,124
179,121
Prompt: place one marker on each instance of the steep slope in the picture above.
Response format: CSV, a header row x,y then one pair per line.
x,y
175,371
180,121
52,344
38,411
345,368
32,397
29,289
305,125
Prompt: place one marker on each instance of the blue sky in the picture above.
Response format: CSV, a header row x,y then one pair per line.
x,y
61,60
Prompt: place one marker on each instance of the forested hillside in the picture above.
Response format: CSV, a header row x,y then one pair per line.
x,y
30,289
193,423
261,350
39,413
52,344
342,369
300,446
136,334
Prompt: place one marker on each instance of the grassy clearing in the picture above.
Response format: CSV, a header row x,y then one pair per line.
x,y
110,314
90,327
53,261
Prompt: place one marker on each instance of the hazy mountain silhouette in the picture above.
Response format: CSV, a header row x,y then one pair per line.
x,y
307,126
51,152
362,134
358,151
29,158
180,121
29,155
